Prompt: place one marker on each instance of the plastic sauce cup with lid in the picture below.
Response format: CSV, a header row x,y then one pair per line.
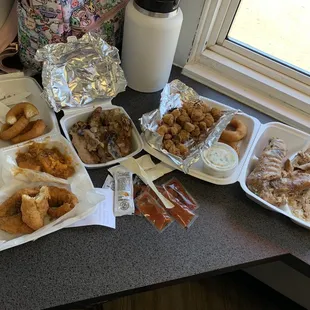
x,y
220,160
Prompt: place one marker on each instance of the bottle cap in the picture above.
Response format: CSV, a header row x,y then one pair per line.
x,y
158,6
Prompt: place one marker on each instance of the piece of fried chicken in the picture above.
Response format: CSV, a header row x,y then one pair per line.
x,y
35,208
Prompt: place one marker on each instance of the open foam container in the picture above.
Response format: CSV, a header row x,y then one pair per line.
x,y
80,183
74,115
251,148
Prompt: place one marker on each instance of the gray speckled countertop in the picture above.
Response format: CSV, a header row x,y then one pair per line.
x,y
92,262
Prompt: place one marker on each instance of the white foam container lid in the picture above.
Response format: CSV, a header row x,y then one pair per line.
x,y
81,114
28,84
256,140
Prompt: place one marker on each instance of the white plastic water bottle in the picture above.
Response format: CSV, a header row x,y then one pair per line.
x,y
151,34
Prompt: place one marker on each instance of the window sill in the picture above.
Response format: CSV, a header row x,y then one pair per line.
x,y
215,77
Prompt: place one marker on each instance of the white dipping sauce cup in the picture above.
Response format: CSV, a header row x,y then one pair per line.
x,y
220,160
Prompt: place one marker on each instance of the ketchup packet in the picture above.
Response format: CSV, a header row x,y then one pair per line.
x,y
176,190
180,212
153,212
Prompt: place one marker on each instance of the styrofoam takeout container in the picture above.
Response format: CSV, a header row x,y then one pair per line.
x,y
295,141
80,183
257,139
28,84
81,114
197,170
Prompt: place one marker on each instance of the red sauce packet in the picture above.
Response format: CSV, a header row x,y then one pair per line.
x,y
176,190
180,212
153,212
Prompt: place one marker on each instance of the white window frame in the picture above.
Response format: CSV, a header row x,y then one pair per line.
x,y
249,77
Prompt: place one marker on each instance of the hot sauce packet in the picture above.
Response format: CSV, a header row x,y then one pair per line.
x,y
180,212
153,212
177,191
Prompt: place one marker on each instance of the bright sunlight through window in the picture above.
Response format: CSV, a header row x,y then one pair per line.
x,y
278,29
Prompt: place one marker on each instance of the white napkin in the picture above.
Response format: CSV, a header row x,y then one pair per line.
x,y
103,214
154,172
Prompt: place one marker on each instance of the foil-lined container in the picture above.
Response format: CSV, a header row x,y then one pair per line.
x,y
173,96
80,71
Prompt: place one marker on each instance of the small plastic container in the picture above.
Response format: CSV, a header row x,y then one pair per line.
x,y
81,114
220,160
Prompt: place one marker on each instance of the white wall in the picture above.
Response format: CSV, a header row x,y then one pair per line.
x,y
191,13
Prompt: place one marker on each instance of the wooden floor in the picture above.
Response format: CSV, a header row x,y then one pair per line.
x,y
233,291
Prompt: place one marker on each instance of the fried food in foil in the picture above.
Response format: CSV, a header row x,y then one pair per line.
x,y
183,124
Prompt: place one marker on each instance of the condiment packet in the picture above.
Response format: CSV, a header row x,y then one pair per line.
x,y
176,190
123,194
109,183
180,212
132,165
153,212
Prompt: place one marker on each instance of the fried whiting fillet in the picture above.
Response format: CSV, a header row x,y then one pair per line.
x,y
35,208
24,211
10,216
14,224
61,201
12,205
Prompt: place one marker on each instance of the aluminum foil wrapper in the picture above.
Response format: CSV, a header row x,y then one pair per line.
x,y
77,72
172,97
